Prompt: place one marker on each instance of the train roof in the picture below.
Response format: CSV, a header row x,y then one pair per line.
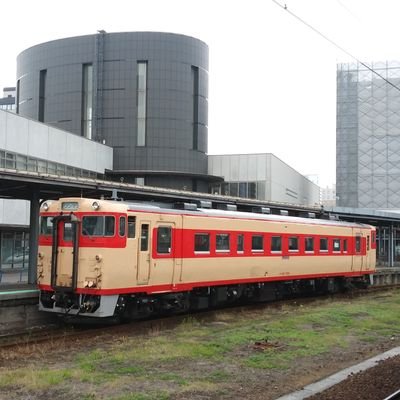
x,y
168,208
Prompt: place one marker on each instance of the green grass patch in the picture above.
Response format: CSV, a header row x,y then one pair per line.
x,y
196,357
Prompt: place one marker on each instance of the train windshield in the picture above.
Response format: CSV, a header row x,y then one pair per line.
x,y
46,226
98,225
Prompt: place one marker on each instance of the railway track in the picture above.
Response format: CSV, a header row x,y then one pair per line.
x,y
70,330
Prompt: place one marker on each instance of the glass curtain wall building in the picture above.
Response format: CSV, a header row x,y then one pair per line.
x,y
145,94
368,135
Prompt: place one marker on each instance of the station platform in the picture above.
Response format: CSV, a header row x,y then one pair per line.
x,y
18,292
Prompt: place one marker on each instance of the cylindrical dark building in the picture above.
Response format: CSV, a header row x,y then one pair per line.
x,y
143,93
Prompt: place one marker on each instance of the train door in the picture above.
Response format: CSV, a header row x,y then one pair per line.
x,y
143,272
164,252
64,252
358,258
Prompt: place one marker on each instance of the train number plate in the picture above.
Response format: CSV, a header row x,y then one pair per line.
x,y
69,205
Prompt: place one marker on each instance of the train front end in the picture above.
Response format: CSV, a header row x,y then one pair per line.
x,y
77,239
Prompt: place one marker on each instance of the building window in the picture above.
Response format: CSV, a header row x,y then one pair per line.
x,y
17,95
141,102
42,94
140,181
87,100
195,96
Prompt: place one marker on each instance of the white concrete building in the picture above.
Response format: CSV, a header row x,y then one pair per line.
x,y
262,176
32,146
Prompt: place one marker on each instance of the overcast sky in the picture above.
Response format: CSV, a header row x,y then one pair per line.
x,y
272,79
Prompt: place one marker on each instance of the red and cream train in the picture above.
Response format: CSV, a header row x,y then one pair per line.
x,y
103,258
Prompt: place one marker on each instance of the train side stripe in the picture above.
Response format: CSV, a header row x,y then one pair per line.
x,y
180,287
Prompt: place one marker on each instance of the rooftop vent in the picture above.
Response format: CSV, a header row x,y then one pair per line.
x,y
227,207
261,210
204,204
185,206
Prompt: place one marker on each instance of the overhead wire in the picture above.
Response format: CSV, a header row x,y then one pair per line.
x,y
284,7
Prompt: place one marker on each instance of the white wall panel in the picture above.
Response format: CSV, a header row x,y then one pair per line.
x,y
14,212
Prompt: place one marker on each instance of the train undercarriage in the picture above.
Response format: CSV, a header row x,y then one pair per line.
x,y
141,305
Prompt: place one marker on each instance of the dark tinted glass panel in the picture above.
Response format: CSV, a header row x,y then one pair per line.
x,y
144,238
276,243
222,242
358,244
122,226
109,226
67,232
323,244
93,226
309,244
201,242
293,243
257,242
336,244
164,240
131,227
240,243
46,226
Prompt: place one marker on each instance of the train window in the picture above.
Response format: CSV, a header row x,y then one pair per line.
x,y
98,226
67,232
202,242
276,243
336,244
240,243
323,244
294,243
373,238
358,244
109,226
122,226
345,245
367,242
222,242
309,241
144,237
257,243
46,226
131,227
164,240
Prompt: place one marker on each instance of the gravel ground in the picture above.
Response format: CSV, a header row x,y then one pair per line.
x,y
375,383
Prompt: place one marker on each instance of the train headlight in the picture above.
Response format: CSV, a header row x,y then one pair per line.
x,y
45,206
91,284
99,257
95,205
